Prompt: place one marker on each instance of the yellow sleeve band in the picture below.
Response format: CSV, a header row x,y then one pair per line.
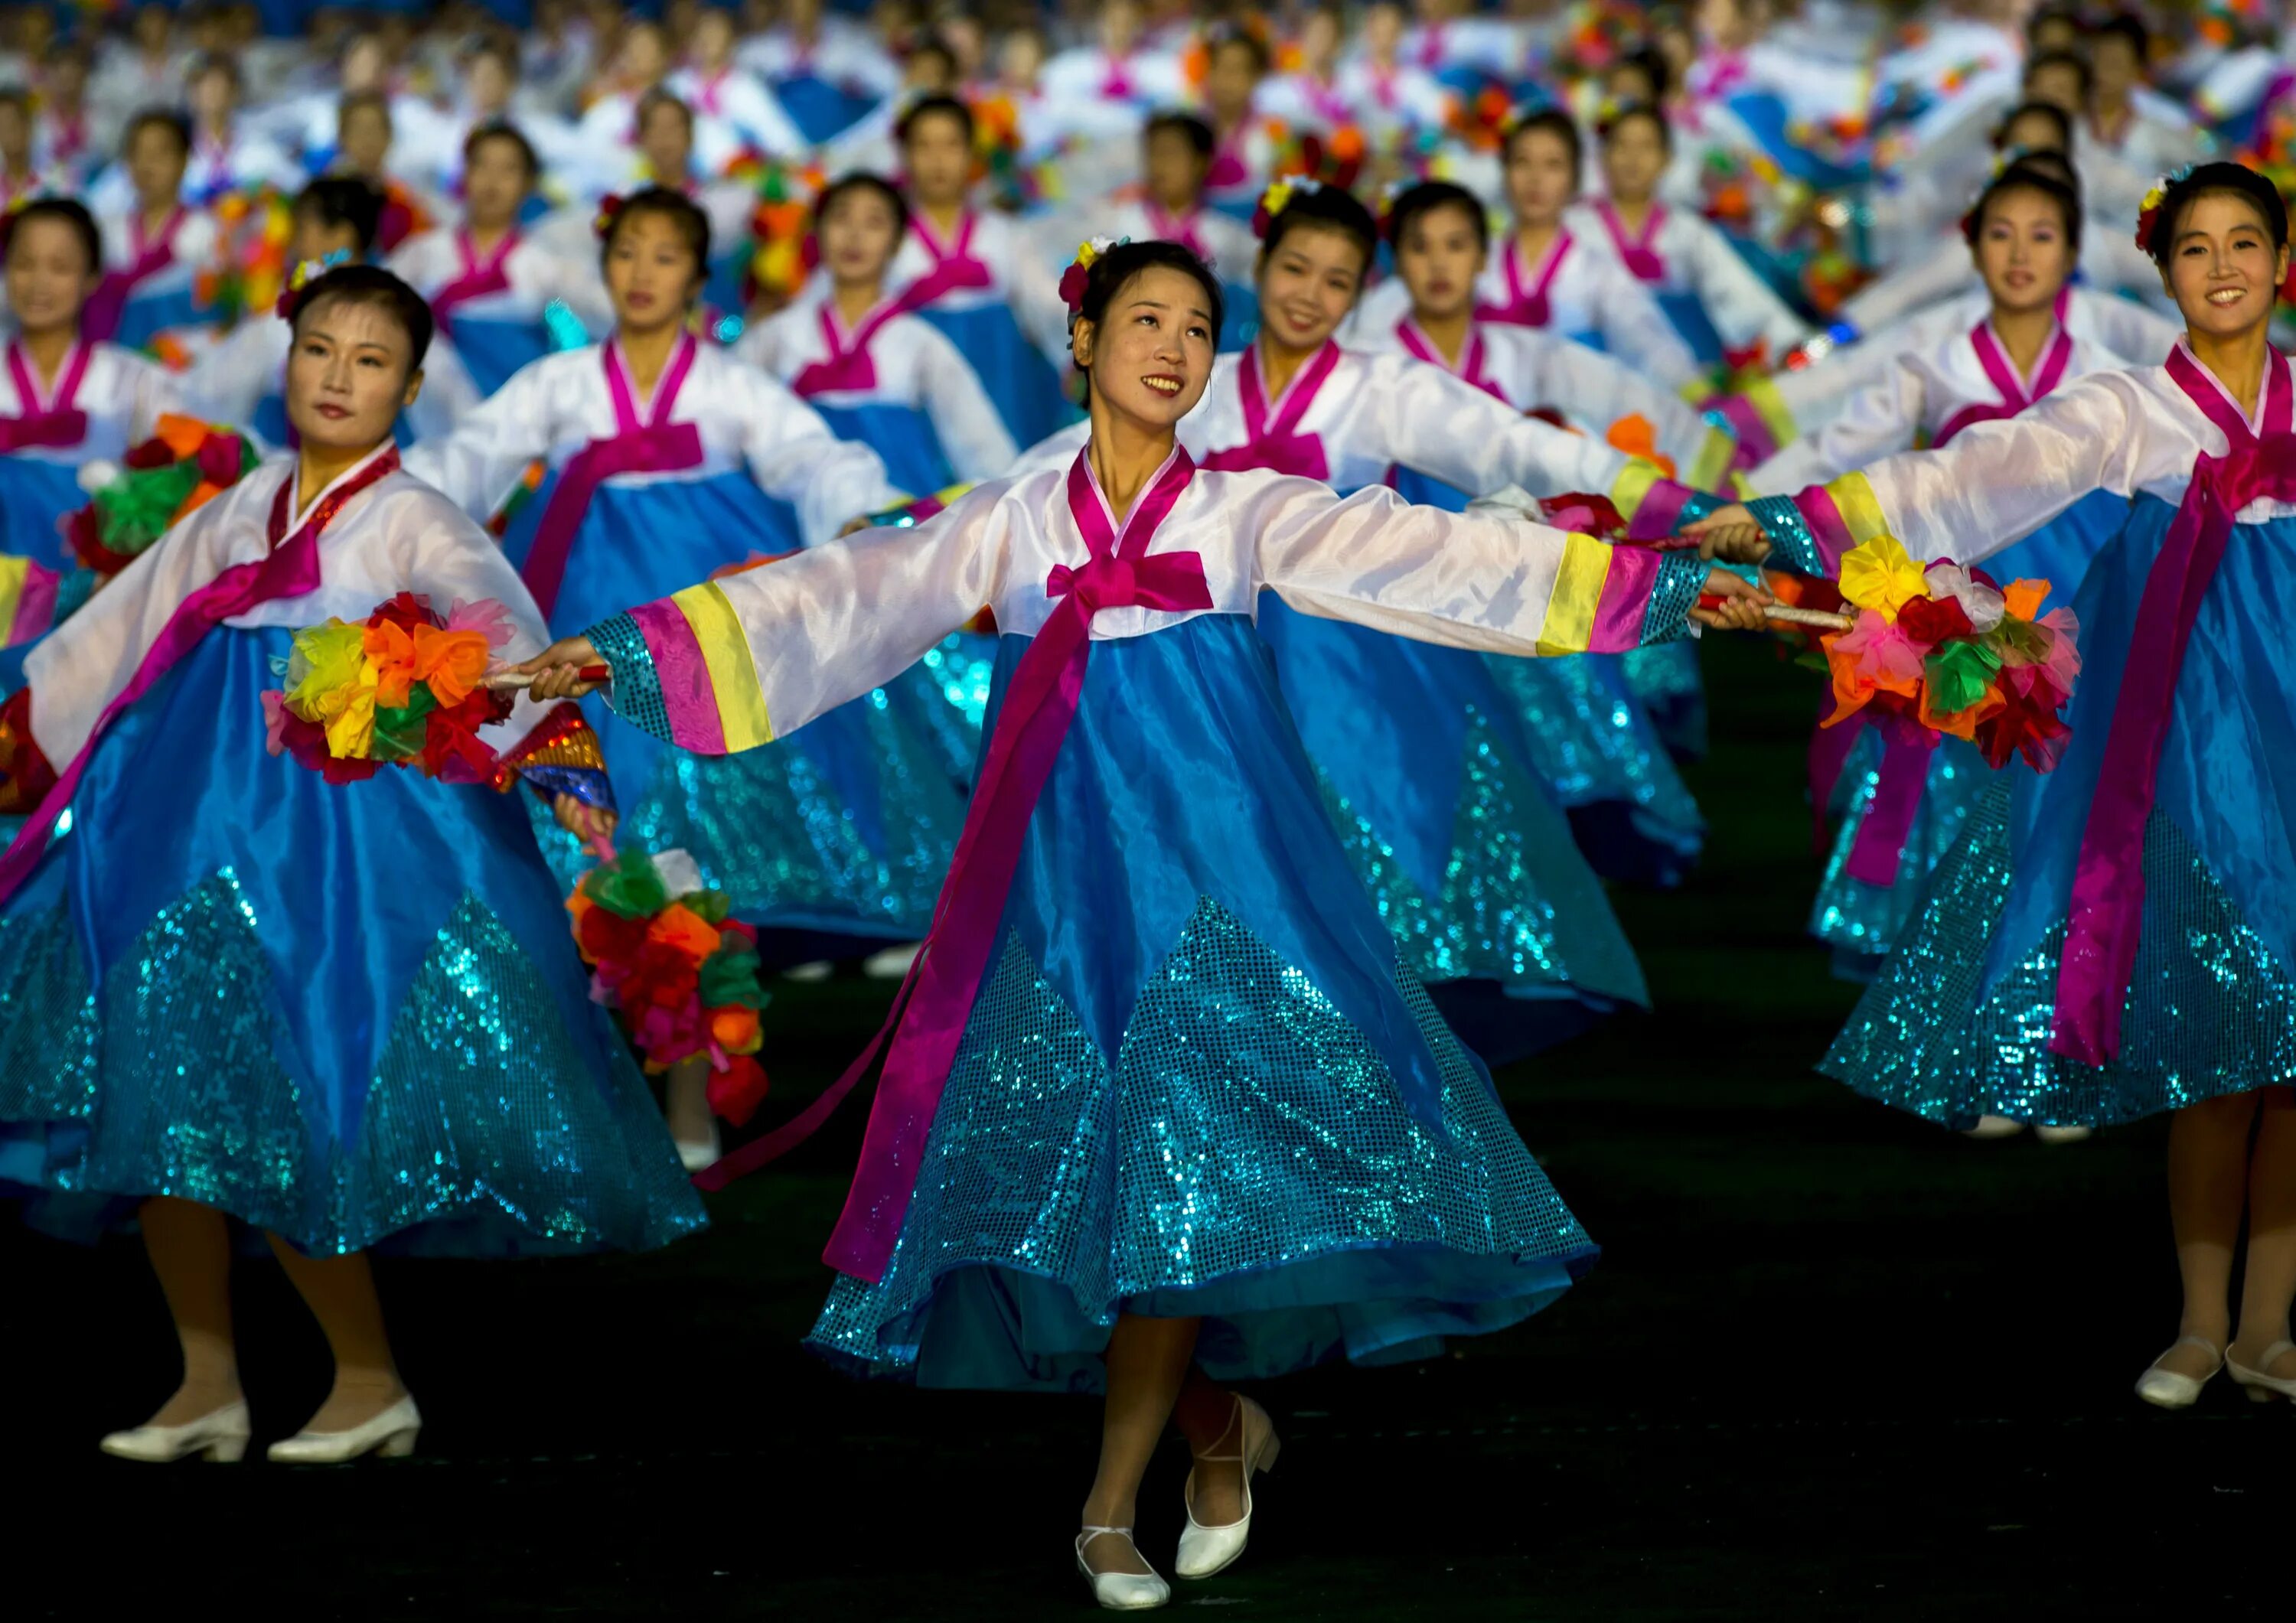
x,y
733,673
1569,623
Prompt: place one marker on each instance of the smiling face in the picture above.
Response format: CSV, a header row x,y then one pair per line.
x,y
1150,355
1308,284
49,277
2224,270
651,273
1541,179
1439,258
1634,157
347,376
858,234
2023,250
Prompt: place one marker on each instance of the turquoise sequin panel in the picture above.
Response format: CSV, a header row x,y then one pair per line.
x,y
1530,919
1862,921
1666,679
1248,1157
483,1131
1591,743
1681,577
2210,1009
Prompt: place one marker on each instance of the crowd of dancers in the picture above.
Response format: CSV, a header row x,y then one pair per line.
x,y
1215,669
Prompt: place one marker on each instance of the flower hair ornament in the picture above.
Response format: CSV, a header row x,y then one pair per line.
x,y
2148,212
290,293
1079,271
610,209
1278,198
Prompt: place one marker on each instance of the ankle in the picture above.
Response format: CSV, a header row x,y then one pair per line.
x,y
364,1380
1108,1513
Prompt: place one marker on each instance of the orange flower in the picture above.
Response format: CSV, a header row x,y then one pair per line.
x,y
1634,435
680,927
453,663
579,905
1961,724
2025,598
392,650
735,1029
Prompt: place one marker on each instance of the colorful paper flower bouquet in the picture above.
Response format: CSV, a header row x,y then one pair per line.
x,y
184,465
680,975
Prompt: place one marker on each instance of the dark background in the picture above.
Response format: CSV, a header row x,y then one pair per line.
x,y
1835,1364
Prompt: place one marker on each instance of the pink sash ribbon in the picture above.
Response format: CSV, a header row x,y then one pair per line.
x,y
935,1003
477,279
101,317
1228,170
2107,912
847,369
1167,227
954,269
1471,367
656,446
1640,258
2014,396
1275,443
1529,306
54,423
291,569
1115,79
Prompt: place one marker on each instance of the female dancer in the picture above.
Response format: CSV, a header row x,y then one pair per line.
x,y
1180,887
963,273
349,1017
157,246
1718,304
671,459
65,401
2134,902
1593,743
1912,798
489,288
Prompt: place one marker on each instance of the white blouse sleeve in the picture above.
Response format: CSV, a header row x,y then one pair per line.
x,y
1940,273
795,457
1742,305
1878,420
1424,418
227,383
447,556
972,432
482,460
1637,332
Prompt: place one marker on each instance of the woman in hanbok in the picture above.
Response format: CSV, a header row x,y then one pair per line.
x,y
490,288
156,247
1178,150
966,273
347,1015
1594,744
669,459
241,380
2115,938
1913,794
1164,1111
1718,305
884,377
65,401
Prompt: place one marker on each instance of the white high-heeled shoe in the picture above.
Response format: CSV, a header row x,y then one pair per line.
x,y
700,1156
892,963
1994,1126
2260,1386
1121,1591
1205,1551
220,1435
2165,1389
389,1435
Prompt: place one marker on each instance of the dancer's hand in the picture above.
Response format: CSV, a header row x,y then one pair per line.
x,y
1731,534
557,669
1743,608
854,526
593,825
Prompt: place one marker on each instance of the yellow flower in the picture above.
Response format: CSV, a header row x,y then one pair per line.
x,y
1276,199
327,664
1881,576
1085,254
350,730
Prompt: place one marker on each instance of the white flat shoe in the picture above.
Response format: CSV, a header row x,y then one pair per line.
x,y
700,1156
1121,1591
220,1435
806,974
390,1435
2062,1135
891,964
2167,1390
1994,1127
1205,1551
2260,1386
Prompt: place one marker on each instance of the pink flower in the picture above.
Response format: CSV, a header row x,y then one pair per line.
x,y
486,615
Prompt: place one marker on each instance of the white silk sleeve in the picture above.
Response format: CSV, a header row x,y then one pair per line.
x,y
480,462
2141,336
971,430
441,552
794,456
1942,272
1638,333
1424,418
1600,387
1880,419
156,392
1740,304
449,393
227,383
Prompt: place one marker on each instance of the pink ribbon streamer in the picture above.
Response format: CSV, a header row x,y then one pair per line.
x,y
2106,918
1531,306
477,279
1169,228
291,569
1275,442
656,446
100,319
1641,259
1907,746
936,1001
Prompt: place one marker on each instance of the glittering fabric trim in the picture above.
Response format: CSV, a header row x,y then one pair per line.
x,y
1698,504
1590,742
1246,1135
560,756
2211,1010
1791,543
637,690
1665,680
1498,916
485,1129
1681,577
1862,921
72,593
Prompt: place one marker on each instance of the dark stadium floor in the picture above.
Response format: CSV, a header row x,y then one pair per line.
x,y
1834,1364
